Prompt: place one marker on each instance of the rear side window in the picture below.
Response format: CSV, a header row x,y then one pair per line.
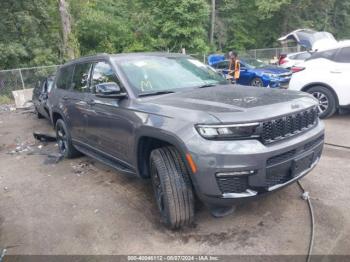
x,y
64,77
81,77
328,54
103,73
343,56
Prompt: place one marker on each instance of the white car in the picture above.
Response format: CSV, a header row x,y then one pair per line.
x,y
293,59
325,75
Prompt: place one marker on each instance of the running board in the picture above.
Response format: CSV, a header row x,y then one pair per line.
x,y
105,160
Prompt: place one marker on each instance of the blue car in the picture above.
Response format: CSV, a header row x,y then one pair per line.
x,y
254,72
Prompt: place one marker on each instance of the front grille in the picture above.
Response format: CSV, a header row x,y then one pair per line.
x,y
233,184
277,176
281,158
314,142
287,126
285,75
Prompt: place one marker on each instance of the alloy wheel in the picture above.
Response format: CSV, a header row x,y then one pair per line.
x,y
62,139
257,82
322,100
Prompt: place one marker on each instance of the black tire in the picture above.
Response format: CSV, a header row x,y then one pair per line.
x,y
40,116
257,82
327,101
64,140
172,187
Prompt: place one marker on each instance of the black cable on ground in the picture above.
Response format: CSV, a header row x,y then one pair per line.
x,y
345,147
306,197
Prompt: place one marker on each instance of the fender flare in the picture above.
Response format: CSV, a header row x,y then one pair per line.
x,y
162,135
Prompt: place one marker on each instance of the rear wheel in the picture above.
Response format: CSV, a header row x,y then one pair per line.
x,y
38,114
172,187
64,140
257,82
327,102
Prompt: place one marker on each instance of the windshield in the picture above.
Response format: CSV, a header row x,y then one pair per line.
x,y
253,63
157,73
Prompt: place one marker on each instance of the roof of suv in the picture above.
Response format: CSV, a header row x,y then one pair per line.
x,y
122,55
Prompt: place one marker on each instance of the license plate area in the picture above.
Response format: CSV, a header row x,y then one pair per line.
x,y
302,163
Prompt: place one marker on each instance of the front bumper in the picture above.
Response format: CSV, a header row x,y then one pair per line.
x,y
273,166
279,83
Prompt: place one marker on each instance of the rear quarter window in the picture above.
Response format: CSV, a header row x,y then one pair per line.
x,y
64,77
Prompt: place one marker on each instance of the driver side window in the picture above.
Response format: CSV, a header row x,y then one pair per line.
x,y
103,73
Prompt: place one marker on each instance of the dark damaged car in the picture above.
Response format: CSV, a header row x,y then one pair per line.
x,y
171,118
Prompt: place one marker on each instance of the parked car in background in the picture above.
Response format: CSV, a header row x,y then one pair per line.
x,y
186,128
289,60
40,96
256,73
325,75
310,39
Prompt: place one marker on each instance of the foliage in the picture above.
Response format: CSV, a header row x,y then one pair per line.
x,y
5,100
31,29
30,33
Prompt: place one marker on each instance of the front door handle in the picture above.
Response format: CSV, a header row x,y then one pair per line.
x,y
91,102
65,98
336,72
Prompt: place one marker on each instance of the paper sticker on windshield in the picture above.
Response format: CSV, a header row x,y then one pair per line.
x,y
140,63
196,62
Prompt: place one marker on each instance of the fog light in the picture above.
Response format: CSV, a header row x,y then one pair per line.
x,y
236,173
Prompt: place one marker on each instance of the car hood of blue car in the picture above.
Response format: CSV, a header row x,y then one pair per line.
x,y
270,70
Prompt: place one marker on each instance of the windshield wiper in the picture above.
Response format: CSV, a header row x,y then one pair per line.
x,y
207,85
156,93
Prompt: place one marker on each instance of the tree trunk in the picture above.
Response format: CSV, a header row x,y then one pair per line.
x,y
212,22
66,19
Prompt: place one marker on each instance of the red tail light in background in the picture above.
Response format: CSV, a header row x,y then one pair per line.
x,y
282,61
296,69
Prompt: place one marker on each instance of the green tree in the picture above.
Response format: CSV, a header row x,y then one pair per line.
x,y
30,33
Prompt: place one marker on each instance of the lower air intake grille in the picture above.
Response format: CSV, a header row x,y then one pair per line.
x,y
237,184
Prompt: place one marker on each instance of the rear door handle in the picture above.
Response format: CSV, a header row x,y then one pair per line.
x,y
336,72
65,98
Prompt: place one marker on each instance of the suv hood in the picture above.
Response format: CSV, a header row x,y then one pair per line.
x,y
228,104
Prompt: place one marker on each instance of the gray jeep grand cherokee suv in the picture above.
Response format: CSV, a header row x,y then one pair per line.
x,y
171,118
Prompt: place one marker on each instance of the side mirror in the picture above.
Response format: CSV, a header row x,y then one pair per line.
x,y
109,90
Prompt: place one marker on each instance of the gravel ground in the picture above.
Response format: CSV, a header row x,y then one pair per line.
x,y
83,207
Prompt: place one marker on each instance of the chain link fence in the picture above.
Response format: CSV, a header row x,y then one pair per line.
x,y
268,55
22,78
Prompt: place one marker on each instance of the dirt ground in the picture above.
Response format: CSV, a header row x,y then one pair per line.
x,y
83,207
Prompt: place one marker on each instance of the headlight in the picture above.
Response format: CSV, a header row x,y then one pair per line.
x,y
271,75
234,131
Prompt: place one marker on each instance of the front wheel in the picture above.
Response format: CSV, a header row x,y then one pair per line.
x,y
64,140
327,102
172,187
257,82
